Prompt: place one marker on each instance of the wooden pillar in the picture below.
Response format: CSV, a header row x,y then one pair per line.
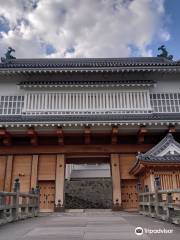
x,y
151,176
114,135
34,171
174,182
9,169
116,181
175,196
141,134
60,176
87,135
2,172
60,135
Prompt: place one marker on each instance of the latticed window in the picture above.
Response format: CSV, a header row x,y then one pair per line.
x,y
165,102
11,105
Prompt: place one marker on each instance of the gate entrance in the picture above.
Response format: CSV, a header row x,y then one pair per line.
x,y
88,184
88,193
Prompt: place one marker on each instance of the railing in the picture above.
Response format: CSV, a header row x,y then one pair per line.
x,y
90,102
161,204
87,102
15,205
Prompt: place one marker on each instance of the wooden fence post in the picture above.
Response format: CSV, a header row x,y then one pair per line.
x,y
169,208
156,196
16,199
37,200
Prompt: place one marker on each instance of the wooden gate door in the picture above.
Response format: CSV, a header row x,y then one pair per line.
x,y
129,194
47,196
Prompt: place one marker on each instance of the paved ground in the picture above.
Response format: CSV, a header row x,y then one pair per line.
x,y
88,225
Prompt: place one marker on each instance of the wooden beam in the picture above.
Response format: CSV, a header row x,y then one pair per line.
x,y
33,136
60,135
141,133
60,178
77,149
151,177
114,135
87,135
8,177
172,129
2,171
6,137
34,171
7,140
116,181
2,132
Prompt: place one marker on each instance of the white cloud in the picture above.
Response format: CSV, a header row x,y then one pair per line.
x,y
94,28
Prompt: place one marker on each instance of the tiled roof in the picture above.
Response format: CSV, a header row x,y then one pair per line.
x,y
154,154
159,154
89,82
87,63
165,159
88,118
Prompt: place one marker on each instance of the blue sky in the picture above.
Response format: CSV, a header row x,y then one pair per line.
x,y
89,28
172,23
173,10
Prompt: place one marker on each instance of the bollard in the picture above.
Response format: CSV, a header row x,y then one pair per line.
x,y
37,200
15,210
59,207
16,187
157,184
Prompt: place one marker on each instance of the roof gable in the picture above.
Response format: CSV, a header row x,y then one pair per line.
x,y
167,144
165,153
167,150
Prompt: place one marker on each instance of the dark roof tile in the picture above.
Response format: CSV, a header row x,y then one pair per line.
x,y
84,63
155,154
88,118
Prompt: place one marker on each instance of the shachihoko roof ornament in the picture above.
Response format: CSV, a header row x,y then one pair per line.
x,y
8,55
164,53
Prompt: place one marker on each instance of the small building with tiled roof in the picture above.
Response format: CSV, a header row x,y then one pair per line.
x,y
162,161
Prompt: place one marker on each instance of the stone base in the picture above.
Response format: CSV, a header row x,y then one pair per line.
x,y
59,209
116,207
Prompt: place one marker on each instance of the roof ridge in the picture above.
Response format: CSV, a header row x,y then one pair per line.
x,y
90,59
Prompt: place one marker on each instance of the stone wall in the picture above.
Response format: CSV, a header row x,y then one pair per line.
x,y
88,193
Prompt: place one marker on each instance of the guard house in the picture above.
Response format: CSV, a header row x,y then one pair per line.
x,y
162,161
83,129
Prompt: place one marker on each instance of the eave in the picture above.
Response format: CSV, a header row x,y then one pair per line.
x,y
161,69
137,168
140,166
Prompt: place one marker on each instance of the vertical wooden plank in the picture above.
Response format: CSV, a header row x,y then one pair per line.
x,y
22,170
2,172
60,175
116,180
47,167
126,161
34,171
8,177
174,181
151,176
175,196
